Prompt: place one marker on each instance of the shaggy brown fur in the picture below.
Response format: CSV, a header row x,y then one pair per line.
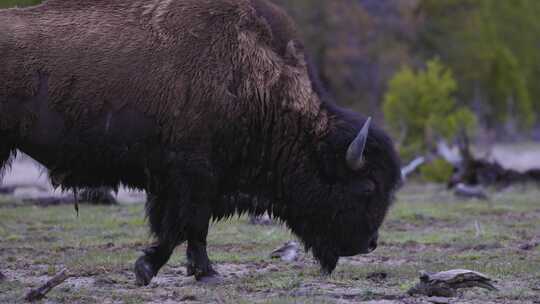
x,y
107,55
198,102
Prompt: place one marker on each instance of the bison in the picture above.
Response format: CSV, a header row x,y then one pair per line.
x,y
201,103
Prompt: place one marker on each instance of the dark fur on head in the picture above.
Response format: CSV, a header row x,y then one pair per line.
x,y
209,105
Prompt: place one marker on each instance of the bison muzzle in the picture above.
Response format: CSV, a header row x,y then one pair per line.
x,y
208,105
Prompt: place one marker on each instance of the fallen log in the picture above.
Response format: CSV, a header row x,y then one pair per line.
x,y
10,189
97,196
491,173
41,292
93,196
446,283
473,171
466,191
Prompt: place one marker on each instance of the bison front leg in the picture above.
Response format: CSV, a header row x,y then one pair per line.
x,y
198,263
167,218
148,265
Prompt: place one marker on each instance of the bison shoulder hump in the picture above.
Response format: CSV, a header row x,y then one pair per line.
x,y
282,27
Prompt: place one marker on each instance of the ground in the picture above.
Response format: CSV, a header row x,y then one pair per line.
x,y
427,229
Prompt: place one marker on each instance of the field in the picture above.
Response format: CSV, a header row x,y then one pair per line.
x,y
427,229
17,3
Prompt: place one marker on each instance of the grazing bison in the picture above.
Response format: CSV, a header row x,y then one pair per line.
x,y
199,102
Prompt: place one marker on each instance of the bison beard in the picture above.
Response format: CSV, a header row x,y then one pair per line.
x,y
209,106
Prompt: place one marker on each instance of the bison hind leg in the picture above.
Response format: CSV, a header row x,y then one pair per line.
x,y
198,263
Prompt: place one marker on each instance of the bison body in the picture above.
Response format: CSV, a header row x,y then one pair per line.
x,y
202,103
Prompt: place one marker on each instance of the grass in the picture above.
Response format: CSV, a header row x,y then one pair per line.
x,y
17,3
427,229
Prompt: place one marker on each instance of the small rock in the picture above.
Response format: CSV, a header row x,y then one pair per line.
x,y
287,252
297,266
377,276
529,245
439,300
188,298
103,281
273,269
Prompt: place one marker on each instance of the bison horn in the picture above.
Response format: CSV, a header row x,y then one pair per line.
x,y
355,153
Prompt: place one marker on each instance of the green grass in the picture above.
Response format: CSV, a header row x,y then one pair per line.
x,y
18,3
427,229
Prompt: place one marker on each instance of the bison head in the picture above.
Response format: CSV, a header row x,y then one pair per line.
x,y
358,172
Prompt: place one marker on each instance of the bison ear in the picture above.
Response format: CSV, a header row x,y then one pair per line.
x,y
294,54
355,153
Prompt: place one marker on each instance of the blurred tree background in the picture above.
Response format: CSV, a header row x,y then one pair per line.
x,y
426,67
488,52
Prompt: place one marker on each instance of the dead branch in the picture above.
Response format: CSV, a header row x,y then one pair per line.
x,y
472,171
446,283
467,191
410,168
448,154
41,292
50,201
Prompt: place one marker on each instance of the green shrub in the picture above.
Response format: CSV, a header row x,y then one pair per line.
x,y
419,108
437,171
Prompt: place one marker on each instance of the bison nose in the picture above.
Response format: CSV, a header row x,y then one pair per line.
x,y
373,244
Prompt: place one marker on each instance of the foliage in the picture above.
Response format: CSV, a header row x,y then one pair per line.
x,y
420,107
493,48
437,171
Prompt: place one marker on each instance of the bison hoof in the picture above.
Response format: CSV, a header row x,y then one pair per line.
x,y
144,272
190,270
208,277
